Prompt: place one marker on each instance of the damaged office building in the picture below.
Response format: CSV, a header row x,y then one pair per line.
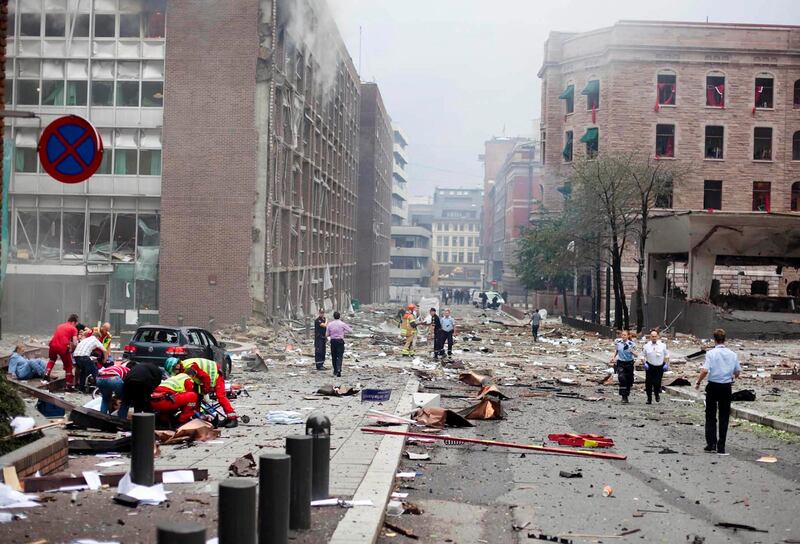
x,y
252,212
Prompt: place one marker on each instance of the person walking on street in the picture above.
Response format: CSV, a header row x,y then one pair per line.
x,y
83,358
484,299
336,330
656,361
408,328
64,340
319,339
721,367
623,358
436,334
536,320
448,330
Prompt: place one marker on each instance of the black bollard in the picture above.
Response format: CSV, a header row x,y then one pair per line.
x,y
274,472
300,448
320,469
237,511
319,427
143,443
171,532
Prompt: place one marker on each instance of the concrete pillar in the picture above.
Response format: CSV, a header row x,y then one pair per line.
x,y
656,276
701,272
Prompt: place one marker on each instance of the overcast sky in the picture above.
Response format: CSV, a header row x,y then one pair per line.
x,y
454,73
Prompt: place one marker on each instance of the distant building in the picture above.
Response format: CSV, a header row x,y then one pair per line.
x,y
456,227
723,99
411,256
399,177
373,232
512,190
420,212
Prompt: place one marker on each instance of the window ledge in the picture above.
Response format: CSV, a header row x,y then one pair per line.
x,y
660,158
764,160
765,109
715,107
667,105
712,159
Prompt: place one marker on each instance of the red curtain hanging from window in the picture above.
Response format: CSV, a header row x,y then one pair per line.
x,y
669,149
715,95
665,95
759,92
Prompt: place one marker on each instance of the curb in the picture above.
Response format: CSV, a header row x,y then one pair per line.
x,y
778,423
362,525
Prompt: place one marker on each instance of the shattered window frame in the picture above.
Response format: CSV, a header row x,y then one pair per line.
x,y
712,194
714,144
762,143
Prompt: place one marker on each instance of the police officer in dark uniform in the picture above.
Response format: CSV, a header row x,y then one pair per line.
x,y
320,323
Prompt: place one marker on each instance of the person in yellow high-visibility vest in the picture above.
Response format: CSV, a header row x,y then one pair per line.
x,y
408,328
208,378
173,394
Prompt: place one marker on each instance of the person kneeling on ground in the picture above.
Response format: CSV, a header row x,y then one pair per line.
x,y
208,378
110,383
23,368
173,394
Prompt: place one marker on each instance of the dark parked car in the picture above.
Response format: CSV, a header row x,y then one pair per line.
x,y
156,343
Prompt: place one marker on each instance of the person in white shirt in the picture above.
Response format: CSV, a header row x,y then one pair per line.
x,y
83,358
721,367
656,361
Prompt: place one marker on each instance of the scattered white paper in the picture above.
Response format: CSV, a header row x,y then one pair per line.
x,y
153,495
418,456
92,479
6,517
93,541
285,417
407,475
178,477
215,442
73,487
11,498
107,464
398,495
94,404
109,455
21,424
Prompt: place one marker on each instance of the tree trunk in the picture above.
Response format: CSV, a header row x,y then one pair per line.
x,y
564,300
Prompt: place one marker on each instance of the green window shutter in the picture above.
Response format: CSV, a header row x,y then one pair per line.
x,y
591,135
568,92
592,87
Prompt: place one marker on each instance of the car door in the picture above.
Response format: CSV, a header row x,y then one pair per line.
x,y
195,347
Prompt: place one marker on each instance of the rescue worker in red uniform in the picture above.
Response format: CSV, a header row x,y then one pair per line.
x,y
208,377
177,392
62,343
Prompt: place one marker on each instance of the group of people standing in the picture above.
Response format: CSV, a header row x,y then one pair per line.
x,y
721,368
335,332
455,296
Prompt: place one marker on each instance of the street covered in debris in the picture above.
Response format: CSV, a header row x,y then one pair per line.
x,y
513,391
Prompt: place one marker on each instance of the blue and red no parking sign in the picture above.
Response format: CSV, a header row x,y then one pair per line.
x,y
70,149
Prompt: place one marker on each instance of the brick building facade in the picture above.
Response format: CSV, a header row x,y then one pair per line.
x,y
374,218
723,99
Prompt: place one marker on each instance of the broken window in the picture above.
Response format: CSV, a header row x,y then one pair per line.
x,y
55,24
102,93
49,236
795,198
52,92
125,162
25,235
150,162
568,96
74,227
762,144
28,92
715,91
124,237
154,24
663,197
152,94
764,92
30,24
25,159
104,25
129,25
12,24
665,140
759,287
796,146
99,236
81,26
761,196
592,92
666,89
567,153
127,94
714,142
591,140
712,195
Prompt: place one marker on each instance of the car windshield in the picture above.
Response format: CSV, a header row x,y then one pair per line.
x,y
163,336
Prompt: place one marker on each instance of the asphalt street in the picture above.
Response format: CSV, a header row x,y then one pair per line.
x,y
668,488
